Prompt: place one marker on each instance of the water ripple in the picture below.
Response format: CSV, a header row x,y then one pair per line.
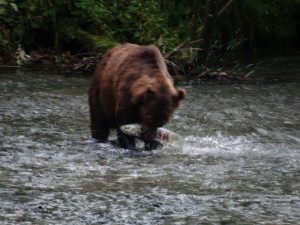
x,y
239,162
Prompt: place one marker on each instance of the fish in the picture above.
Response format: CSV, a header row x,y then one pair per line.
x,y
163,135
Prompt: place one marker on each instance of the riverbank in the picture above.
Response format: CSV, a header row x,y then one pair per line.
x,y
269,67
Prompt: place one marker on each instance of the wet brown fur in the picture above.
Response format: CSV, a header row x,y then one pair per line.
x,y
131,84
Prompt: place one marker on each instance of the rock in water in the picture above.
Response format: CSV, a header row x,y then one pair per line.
x,y
163,135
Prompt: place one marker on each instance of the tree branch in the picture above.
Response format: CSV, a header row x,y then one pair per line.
x,y
177,48
224,7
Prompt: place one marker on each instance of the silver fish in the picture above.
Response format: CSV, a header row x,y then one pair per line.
x,y
163,135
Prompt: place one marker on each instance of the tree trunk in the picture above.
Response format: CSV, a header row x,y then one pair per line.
x,y
214,8
208,31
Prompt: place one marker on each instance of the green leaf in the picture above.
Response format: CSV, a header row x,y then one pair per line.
x,y
2,11
14,6
34,24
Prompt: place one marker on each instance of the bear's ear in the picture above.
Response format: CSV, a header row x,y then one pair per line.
x,y
181,93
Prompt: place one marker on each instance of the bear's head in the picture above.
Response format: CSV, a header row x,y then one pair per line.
x,y
156,101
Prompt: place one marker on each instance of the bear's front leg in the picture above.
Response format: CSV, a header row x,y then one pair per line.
x,y
125,115
148,136
151,145
125,140
99,126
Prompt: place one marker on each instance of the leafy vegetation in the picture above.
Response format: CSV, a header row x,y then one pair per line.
x,y
194,31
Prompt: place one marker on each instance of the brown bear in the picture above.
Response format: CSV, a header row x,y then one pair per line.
x,y
131,84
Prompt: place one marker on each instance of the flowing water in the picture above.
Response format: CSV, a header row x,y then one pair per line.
x,y
239,163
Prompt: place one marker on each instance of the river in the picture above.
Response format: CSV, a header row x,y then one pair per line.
x,y
239,162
